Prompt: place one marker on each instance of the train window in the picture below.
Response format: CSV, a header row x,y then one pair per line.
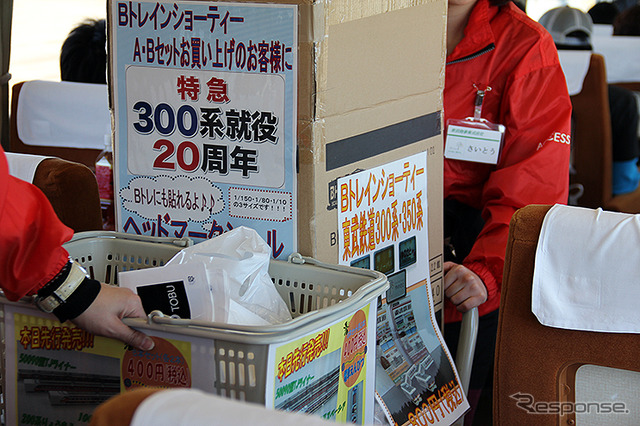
x,y
38,29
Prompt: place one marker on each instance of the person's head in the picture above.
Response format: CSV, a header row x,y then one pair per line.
x,y
83,57
603,13
521,5
469,2
570,28
625,4
498,2
627,23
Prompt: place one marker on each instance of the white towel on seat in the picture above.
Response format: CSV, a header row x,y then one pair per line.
x,y
575,64
587,270
23,166
621,57
602,30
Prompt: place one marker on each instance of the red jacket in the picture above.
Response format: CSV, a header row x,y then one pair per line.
x,y
31,251
504,49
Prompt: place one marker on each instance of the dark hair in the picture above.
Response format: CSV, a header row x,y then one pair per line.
x,y
498,2
572,47
603,13
83,57
520,5
628,22
582,41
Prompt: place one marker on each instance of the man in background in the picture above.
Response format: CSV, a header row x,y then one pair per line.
x,y
83,57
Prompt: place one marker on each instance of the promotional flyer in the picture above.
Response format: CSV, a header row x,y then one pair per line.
x,y
416,377
204,104
382,216
329,372
57,374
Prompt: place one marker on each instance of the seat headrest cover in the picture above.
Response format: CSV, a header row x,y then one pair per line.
x,y
63,114
23,166
568,26
586,269
575,64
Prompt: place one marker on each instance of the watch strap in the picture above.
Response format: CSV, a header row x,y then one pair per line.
x,y
76,276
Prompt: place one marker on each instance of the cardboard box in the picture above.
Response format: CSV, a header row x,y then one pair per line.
x,y
370,93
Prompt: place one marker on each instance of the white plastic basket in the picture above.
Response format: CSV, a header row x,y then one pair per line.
x,y
104,253
316,293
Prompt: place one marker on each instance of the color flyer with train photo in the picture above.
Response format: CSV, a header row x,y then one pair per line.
x,y
415,374
329,372
57,374
382,215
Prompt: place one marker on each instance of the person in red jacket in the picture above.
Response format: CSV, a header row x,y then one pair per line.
x,y
33,262
503,72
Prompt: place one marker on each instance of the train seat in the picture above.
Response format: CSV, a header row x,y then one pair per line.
x,y
592,144
62,119
70,187
547,375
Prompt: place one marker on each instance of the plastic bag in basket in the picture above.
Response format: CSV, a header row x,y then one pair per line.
x,y
244,257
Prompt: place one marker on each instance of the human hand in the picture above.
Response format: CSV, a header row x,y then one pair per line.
x,y
463,287
104,316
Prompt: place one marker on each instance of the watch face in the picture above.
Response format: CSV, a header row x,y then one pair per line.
x,y
407,252
363,262
397,286
383,260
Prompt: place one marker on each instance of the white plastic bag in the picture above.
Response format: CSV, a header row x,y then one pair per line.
x,y
250,295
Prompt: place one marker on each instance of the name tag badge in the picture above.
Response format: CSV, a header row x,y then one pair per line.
x,y
476,140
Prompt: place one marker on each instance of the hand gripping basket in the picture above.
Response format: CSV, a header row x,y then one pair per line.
x,y
318,295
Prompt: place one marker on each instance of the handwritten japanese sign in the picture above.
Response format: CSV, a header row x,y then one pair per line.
x,y
205,118
382,218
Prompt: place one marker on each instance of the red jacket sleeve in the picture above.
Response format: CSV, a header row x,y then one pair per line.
x,y
31,251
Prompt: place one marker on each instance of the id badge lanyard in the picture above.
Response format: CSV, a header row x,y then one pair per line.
x,y
474,138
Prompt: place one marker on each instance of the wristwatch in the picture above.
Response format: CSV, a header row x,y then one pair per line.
x,y
76,276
